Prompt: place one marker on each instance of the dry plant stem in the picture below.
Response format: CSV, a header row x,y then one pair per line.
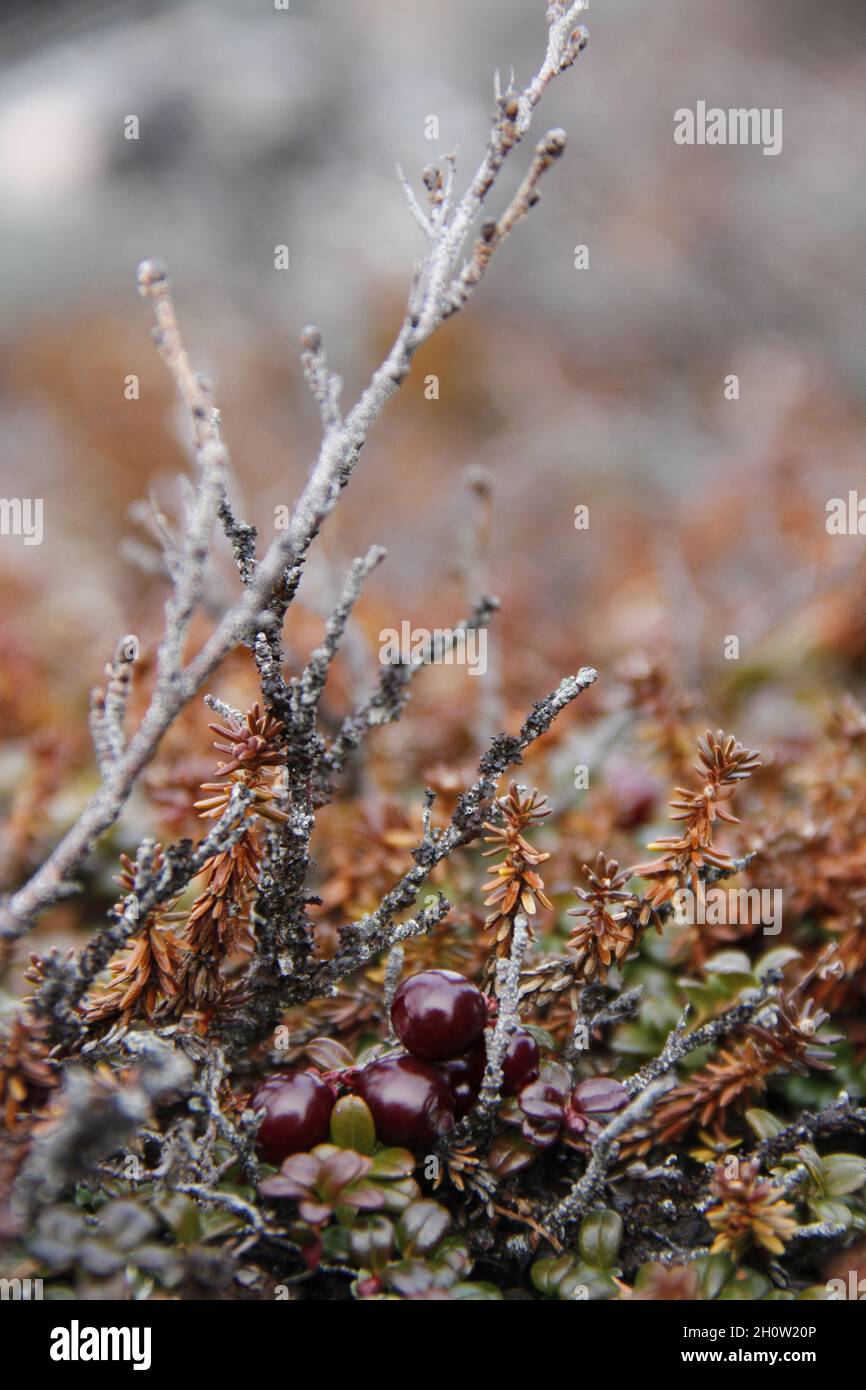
x,y
438,289
228,1202
393,971
605,1150
213,1072
120,765
316,673
465,823
587,1018
840,1117
283,934
108,708
391,694
498,1037
680,1043
66,981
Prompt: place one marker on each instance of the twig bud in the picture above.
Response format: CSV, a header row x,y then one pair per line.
x,y
152,277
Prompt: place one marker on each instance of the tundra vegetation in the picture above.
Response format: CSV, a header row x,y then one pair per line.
x,y
334,1042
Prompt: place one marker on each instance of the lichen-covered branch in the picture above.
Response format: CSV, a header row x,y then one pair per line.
x,y
605,1150
270,580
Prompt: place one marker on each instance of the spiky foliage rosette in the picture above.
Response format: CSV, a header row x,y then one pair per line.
x,y
723,763
175,961
516,886
218,923
605,930
144,979
749,1210
27,1075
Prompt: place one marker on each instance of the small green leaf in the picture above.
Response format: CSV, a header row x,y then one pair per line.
x,y
715,1274
548,1274
843,1174
352,1125
509,1153
336,1242
585,1284
704,998
409,1277
600,1238
776,959
100,1259
339,1172
389,1165
451,1261
328,1054
764,1124
554,1074
399,1195
835,1213
126,1224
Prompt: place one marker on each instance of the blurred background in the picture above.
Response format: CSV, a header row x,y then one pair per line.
x,y
557,387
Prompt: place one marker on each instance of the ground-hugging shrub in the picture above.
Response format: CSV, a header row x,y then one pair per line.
x,y
240,1086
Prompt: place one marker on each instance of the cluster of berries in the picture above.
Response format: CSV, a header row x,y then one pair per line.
x,y
416,1096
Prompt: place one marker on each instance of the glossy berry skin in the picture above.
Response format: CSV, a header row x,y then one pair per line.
x,y
437,1014
520,1065
463,1080
409,1100
297,1106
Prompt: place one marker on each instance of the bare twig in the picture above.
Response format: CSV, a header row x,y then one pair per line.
x,y
108,707
437,290
499,1036
680,1043
605,1150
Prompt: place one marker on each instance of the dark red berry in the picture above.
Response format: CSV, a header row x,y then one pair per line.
x,y
409,1101
464,1082
438,1014
297,1106
520,1065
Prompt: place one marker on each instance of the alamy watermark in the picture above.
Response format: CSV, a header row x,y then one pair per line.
x,y
846,516
443,646
22,516
718,907
77,1343
853,1289
21,1290
713,125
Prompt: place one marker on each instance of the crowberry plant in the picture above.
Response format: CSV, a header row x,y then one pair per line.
x,y
306,1047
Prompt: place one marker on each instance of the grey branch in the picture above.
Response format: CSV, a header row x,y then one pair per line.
x,y
392,691
841,1116
316,674
284,973
465,823
499,1036
108,707
269,582
605,1151
67,979
680,1043
324,384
